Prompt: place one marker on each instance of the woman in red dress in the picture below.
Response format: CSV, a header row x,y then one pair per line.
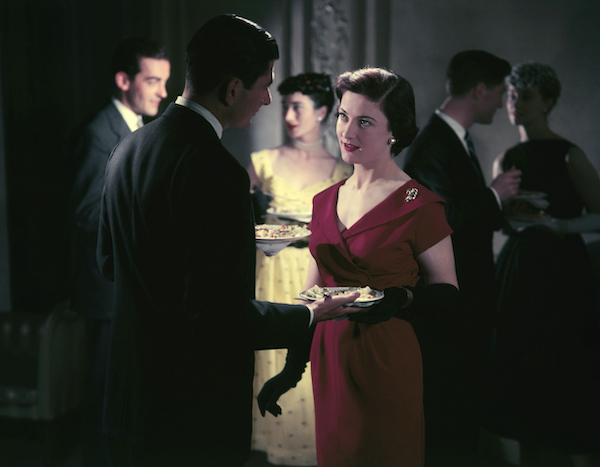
x,y
382,229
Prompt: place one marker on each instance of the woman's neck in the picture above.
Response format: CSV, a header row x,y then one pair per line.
x,y
307,146
365,177
309,141
536,131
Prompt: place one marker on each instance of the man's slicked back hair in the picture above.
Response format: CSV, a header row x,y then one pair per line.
x,y
228,47
128,54
470,67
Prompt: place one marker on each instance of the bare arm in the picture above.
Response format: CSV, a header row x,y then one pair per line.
x,y
497,167
585,178
438,263
507,183
313,276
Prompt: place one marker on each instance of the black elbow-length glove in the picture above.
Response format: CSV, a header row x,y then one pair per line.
x,y
295,364
408,302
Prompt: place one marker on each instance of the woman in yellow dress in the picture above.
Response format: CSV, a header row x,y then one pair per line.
x,y
292,174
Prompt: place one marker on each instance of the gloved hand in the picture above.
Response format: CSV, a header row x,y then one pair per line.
x,y
436,301
277,386
393,300
295,364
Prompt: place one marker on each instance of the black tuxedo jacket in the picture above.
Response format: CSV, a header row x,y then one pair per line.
x,y
177,237
438,160
91,293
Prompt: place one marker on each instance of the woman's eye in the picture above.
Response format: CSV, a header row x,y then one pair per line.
x,y
341,116
365,123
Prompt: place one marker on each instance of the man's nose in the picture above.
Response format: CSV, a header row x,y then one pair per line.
x,y
162,91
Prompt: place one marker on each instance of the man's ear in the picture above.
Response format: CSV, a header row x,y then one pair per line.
x,y
122,81
479,90
233,91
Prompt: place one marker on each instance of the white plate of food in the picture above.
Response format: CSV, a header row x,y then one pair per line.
x,y
368,296
298,216
524,220
272,238
535,198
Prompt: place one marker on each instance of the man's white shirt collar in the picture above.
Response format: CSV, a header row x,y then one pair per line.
x,y
133,120
461,132
207,114
456,127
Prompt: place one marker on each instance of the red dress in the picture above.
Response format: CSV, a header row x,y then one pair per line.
x,y
367,379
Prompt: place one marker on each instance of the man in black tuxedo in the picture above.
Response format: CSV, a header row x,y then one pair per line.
x,y
140,69
442,157
177,237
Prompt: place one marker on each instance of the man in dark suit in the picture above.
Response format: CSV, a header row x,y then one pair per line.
x,y
442,157
177,237
140,68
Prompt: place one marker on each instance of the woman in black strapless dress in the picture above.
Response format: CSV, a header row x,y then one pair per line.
x,y
545,372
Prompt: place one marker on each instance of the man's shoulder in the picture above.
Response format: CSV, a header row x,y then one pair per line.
x,y
436,136
187,121
108,112
181,134
435,129
107,119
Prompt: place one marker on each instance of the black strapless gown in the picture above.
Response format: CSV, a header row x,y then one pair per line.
x,y
544,384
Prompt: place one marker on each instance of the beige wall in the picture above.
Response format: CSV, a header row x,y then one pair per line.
x,y
563,34
417,38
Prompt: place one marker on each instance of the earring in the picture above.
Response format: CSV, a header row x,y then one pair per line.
x,y
392,140
319,118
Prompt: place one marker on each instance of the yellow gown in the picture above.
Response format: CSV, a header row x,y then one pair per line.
x,y
290,438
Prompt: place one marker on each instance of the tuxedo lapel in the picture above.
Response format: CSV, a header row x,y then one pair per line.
x,y
468,165
116,122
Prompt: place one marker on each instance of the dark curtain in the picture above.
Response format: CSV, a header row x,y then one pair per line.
x,y
55,73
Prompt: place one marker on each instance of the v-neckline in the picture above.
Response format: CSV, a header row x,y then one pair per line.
x,y
344,228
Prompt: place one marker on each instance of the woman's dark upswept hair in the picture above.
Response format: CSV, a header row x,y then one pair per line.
x,y
228,47
533,74
317,86
392,92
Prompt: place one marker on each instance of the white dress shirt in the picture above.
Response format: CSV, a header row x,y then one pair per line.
x,y
133,120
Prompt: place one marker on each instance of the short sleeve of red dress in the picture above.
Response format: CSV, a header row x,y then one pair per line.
x,y
432,227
